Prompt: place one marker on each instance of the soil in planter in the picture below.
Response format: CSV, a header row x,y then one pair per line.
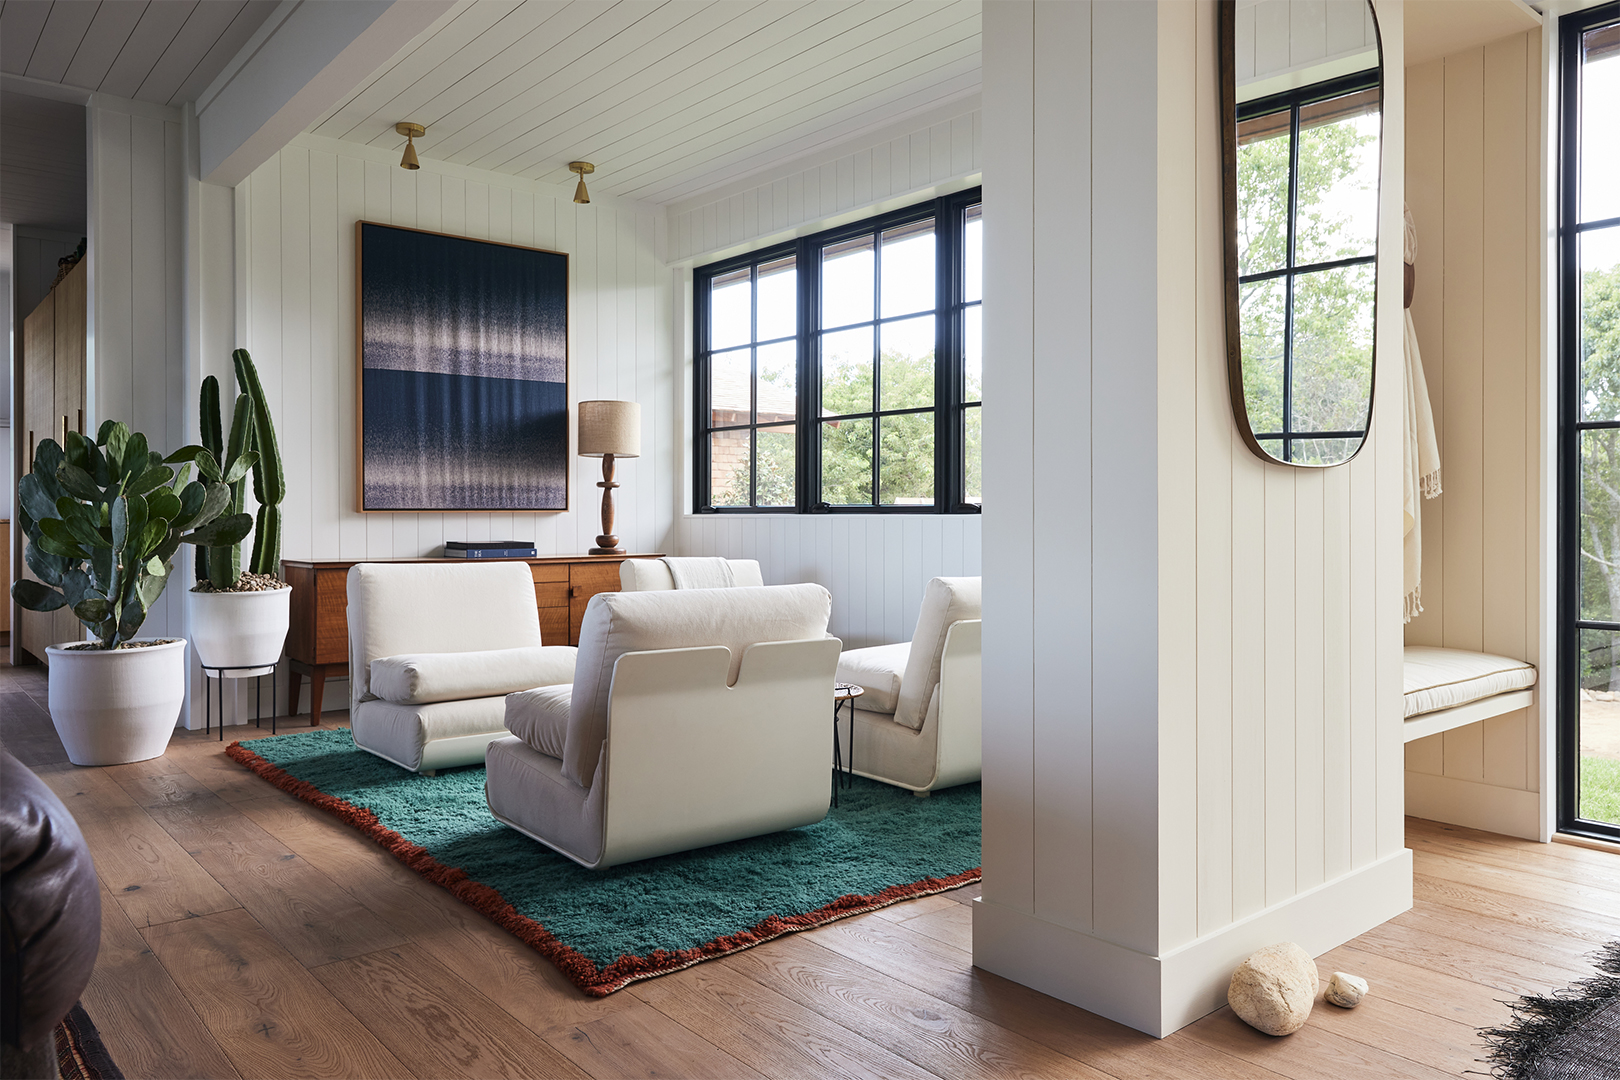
x,y
94,646
246,583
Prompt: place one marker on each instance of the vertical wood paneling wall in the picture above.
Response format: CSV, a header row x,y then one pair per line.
x,y
876,565
811,192
1472,174
295,271
1192,658
136,358
1276,36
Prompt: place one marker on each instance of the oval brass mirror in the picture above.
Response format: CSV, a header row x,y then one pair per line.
x,y
1302,123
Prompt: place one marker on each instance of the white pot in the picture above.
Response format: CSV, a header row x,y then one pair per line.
x,y
114,706
240,631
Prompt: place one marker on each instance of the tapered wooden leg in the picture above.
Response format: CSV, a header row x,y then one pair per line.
x,y
294,680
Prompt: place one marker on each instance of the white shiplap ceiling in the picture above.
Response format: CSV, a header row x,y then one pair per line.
x,y
666,97
162,51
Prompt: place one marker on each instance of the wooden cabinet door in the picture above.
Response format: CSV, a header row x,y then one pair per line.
x,y
37,629
585,580
551,597
67,392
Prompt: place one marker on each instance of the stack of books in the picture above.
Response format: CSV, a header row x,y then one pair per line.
x,y
488,549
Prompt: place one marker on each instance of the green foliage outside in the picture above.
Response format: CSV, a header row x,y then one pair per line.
x,y
906,443
1600,789
1333,309
1600,475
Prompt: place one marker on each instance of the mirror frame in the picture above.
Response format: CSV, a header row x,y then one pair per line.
x,y
1226,62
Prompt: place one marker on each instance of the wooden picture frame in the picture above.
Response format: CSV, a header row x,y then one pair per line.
x,y
462,374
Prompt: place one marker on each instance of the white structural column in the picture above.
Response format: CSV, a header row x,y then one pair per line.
x,y
1165,790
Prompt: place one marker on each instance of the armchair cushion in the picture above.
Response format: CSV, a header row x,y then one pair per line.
x,y
945,601
878,670
421,678
540,717
647,575
618,623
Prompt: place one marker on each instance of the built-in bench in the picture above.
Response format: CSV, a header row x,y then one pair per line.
x,y
1451,688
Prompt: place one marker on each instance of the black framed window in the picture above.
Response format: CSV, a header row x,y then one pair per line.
x,y
1588,683
1307,254
842,372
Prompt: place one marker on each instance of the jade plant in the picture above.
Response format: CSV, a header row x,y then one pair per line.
x,y
252,438
103,521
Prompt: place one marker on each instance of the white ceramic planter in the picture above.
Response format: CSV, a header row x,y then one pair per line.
x,y
243,631
114,706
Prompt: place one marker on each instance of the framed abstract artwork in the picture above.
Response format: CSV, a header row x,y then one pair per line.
x,y
463,395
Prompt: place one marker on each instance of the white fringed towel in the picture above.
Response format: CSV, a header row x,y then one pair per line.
x,y
1421,479
701,573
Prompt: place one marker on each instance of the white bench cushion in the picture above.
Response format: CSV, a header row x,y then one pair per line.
x,y
540,717
421,678
1437,678
878,671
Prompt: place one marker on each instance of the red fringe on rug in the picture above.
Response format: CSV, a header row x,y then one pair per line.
x,y
578,968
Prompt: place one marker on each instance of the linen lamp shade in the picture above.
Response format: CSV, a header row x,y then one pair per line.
x,y
609,427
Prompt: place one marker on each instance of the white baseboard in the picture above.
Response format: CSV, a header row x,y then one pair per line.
x,y
1161,994
1509,811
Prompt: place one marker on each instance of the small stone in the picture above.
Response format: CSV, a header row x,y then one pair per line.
x,y
1346,991
1273,990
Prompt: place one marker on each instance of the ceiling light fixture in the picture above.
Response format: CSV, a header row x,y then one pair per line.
x,y
581,167
410,131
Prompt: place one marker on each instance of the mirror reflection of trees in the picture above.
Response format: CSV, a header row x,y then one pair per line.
x,y
1318,378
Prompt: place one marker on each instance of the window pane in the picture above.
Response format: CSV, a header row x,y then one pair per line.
x,y
1324,451
1337,197
1600,524
906,471
908,269
728,388
1274,447
1260,314
846,462
846,282
973,456
1262,193
778,300
776,485
1600,324
730,310
729,462
1600,104
973,353
778,382
908,363
846,372
1600,722
1332,355
973,253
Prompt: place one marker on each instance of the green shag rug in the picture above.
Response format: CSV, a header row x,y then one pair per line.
x,y
607,928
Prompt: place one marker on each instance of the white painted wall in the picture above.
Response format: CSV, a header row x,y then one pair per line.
x,y
874,565
1192,658
1472,175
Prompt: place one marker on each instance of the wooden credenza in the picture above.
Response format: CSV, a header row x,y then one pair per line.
x,y
318,637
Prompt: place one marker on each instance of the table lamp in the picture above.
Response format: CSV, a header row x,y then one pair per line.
x,y
609,429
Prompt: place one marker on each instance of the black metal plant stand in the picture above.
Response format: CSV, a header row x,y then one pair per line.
x,y
219,673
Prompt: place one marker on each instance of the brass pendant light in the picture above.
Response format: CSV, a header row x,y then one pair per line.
x,y
410,131
581,167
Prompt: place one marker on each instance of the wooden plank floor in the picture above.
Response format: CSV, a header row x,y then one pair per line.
x,y
247,934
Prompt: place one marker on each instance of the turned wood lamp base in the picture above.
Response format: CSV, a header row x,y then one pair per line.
x,y
607,543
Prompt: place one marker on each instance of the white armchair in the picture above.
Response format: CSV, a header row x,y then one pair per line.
x,y
695,717
918,724
433,652
653,575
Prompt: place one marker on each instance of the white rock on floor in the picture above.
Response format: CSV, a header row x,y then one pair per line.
x,y
1346,991
1273,990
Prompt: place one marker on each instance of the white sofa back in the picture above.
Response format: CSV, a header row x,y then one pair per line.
x,y
399,608
946,600
618,623
652,575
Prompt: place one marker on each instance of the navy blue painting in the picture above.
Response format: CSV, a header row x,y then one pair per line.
x,y
463,373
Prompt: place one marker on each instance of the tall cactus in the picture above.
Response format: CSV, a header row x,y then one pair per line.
x,y
269,480
251,444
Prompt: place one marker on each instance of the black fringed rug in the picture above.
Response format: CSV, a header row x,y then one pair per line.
x,y
1571,1034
